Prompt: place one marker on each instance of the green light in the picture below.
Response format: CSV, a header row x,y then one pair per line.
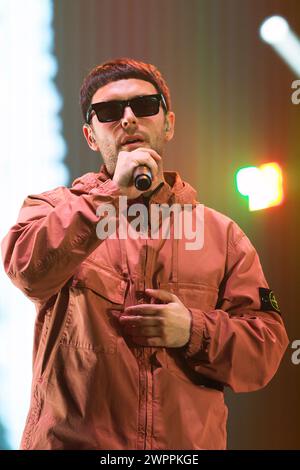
x,y
262,185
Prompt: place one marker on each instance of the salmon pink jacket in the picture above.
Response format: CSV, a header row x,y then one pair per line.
x,y
92,387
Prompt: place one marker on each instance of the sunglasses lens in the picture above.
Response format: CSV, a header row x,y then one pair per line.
x,y
145,106
113,110
107,112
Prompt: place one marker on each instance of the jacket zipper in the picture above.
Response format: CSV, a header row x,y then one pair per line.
x,y
145,358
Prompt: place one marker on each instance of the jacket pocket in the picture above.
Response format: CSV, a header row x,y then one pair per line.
x,y
198,414
97,296
103,280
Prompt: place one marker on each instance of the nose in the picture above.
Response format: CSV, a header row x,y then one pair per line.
x,y
129,119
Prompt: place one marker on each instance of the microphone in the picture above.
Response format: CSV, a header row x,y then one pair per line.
x,y
142,178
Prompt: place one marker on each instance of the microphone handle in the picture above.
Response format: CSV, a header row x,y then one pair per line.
x,y
142,177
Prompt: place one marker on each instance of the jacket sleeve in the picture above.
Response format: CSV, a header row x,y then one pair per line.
x,y
42,251
242,341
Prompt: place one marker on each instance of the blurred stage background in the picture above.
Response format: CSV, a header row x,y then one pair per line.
x,y
232,97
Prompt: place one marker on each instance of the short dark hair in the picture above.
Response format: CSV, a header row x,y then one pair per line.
x,y
119,69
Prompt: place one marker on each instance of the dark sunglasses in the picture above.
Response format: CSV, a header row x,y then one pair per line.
x,y
142,106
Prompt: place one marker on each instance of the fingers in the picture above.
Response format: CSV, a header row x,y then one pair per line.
x,y
128,161
135,321
141,326
153,309
148,158
140,156
163,295
152,152
145,309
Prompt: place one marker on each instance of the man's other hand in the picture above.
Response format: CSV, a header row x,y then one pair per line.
x,y
159,325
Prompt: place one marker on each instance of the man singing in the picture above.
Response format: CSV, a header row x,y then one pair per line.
x,y
137,335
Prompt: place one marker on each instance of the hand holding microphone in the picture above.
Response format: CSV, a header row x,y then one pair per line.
x,y
137,171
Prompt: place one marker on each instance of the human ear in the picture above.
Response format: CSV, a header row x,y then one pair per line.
x,y
169,125
89,137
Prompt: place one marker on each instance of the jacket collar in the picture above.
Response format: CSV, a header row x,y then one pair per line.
x,y
174,190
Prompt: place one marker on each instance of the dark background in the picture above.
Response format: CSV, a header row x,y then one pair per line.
x,y
232,97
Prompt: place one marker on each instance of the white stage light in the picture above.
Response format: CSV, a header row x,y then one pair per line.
x,y
32,149
276,31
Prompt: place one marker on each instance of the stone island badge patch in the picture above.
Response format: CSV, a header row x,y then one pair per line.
x,y
268,300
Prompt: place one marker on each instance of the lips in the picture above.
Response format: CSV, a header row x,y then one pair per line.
x,y
133,145
132,139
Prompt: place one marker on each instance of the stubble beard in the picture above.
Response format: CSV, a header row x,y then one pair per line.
x,y
111,159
